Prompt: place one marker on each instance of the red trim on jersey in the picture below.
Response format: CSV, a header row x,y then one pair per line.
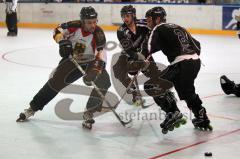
x,y
85,33
72,30
94,43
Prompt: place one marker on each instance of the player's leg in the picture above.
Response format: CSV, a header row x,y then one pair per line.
x,y
121,73
95,101
14,24
165,98
64,74
186,90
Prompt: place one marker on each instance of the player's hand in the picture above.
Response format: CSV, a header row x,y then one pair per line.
x,y
237,17
93,71
65,48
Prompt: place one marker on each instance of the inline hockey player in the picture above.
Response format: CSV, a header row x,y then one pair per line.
x,y
11,17
84,41
133,36
228,86
182,51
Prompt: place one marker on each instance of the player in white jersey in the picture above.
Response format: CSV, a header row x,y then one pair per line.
x,y
84,41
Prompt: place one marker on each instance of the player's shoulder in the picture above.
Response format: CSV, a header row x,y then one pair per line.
x,y
166,26
71,24
98,29
122,28
99,34
141,23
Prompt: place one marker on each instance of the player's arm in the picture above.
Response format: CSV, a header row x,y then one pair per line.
x,y
61,35
14,6
96,67
125,42
63,31
153,42
129,47
196,44
100,43
238,28
238,25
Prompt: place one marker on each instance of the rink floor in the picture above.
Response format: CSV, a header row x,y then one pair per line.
x,y
25,65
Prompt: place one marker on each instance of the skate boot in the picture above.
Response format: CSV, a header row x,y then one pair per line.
x,y
237,92
88,120
201,121
173,119
137,99
227,85
25,115
11,34
136,96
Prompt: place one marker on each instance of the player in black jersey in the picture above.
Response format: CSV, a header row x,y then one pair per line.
x,y
182,51
228,86
238,25
133,36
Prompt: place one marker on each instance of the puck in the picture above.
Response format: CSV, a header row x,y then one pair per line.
x,y
208,153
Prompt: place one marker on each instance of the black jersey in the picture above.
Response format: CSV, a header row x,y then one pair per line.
x,y
173,40
238,28
134,42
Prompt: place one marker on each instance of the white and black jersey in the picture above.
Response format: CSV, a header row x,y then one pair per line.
x,y
84,43
134,42
173,40
11,5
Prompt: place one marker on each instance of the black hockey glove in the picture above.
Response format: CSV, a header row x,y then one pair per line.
x,y
138,57
139,62
94,69
65,48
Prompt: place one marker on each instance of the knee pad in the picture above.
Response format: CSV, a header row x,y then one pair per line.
x,y
167,102
156,86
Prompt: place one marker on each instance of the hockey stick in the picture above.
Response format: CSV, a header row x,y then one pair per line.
x,y
101,95
130,84
141,100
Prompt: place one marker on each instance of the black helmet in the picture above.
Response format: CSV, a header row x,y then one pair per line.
x,y
129,9
88,13
157,12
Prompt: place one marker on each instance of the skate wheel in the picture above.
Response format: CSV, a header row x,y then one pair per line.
x,y
210,127
183,121
177,125
137,104
164,131
171,128
87,126
195,127
21,118
161,125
